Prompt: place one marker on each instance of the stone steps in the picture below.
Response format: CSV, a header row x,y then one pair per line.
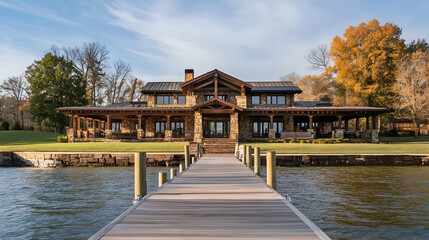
x,y
216,146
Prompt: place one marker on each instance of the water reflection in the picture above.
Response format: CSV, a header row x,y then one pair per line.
x,y
346,202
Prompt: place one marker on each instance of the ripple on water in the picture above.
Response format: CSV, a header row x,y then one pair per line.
x,y
345,202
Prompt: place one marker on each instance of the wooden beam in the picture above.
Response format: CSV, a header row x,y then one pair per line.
x,y
230,85
217,111
215,80
203,85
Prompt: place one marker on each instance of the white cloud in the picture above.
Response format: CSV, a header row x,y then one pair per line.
x,y
251,39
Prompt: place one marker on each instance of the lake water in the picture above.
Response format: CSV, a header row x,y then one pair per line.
x,y
345,202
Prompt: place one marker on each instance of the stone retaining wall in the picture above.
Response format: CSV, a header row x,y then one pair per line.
x,y
72,159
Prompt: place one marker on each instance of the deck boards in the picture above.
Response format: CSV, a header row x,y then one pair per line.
x,y
216,198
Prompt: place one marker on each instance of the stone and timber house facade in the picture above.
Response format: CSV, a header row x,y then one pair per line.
x,y
217,107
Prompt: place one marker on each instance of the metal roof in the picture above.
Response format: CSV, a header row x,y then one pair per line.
x,y
162,87
277,87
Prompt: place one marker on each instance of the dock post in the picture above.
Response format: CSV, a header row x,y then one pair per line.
x,y
197,151
271,168
244,160
162,178
249,156
181,167
186,156
257,161
236,153
193,160
140,186
173,173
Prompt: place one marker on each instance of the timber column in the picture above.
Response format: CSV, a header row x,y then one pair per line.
x,y
85,127
140,132
70,131
109,127
79,131
271,132
198,127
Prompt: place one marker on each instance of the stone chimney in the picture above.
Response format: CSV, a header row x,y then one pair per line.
x,y
189,74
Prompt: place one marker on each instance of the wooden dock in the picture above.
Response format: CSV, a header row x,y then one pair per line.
x,y
216,198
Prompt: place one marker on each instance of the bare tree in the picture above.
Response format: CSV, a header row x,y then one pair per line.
x,y
412,88
133,89
17,88
319,58
117,82
91,60
292,77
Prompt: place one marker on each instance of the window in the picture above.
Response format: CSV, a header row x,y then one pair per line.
x,y
256,99
160,129
260,129
164,99
116,126
221,97
276,99
181,100
178,129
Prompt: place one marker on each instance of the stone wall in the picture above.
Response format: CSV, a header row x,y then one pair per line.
x,y
234,130
150,127
350,159
198,127
71,159
189,128
245,124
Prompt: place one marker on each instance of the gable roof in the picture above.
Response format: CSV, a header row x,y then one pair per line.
x,y
278,86
162,87
214,101
213,73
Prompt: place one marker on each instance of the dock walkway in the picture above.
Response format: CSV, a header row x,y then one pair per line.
x,y
216,198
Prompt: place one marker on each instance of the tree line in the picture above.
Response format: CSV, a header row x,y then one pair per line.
x,y
70,76
371,65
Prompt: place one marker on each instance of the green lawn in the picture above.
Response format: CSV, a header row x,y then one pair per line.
x,y
29,141
43,141
397,145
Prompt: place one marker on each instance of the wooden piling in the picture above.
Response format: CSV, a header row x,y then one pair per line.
x,y
140,186
197,151
236,152
162,178
193,160
244,157
257,161
181,167
249,156
187,156
173,173
271,169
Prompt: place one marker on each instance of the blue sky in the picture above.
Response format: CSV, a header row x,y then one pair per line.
x,y
252,40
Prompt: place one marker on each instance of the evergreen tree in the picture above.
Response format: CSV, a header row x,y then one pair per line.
x,y
54,82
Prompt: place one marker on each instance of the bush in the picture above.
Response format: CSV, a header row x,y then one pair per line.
x,y
4,125
16,125
62,139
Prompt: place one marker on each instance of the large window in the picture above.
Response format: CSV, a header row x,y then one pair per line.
x,y
160,129
221,97
178,129
256,99
278,128
164,99
274,99
261,128
116,126
181,100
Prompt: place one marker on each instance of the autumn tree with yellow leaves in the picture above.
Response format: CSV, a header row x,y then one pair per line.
x,y
365,59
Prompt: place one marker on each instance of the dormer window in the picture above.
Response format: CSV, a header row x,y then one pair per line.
x,y
256,99
274,99
181,100
164,99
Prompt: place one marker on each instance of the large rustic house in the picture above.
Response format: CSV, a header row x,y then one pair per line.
x,y
217,107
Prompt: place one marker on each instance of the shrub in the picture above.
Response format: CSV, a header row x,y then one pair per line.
x,y
4,125
62,139
302,141
16,125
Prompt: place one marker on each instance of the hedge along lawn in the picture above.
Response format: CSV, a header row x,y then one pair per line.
x,y
398,145
29,141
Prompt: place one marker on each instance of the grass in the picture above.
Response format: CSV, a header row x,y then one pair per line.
x,y
398,145
20,141
29,141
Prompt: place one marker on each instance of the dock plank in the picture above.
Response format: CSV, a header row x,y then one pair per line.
x,y
215,198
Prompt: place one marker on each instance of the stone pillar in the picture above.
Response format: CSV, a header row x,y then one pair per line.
x,y
140,132
234,126
168,135
150,127
108,133
271,132
79,130
70,131
198,127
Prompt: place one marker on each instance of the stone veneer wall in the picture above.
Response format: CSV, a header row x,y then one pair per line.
x,y
189,128
198,127
245,124
150,127
234,130
71,159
